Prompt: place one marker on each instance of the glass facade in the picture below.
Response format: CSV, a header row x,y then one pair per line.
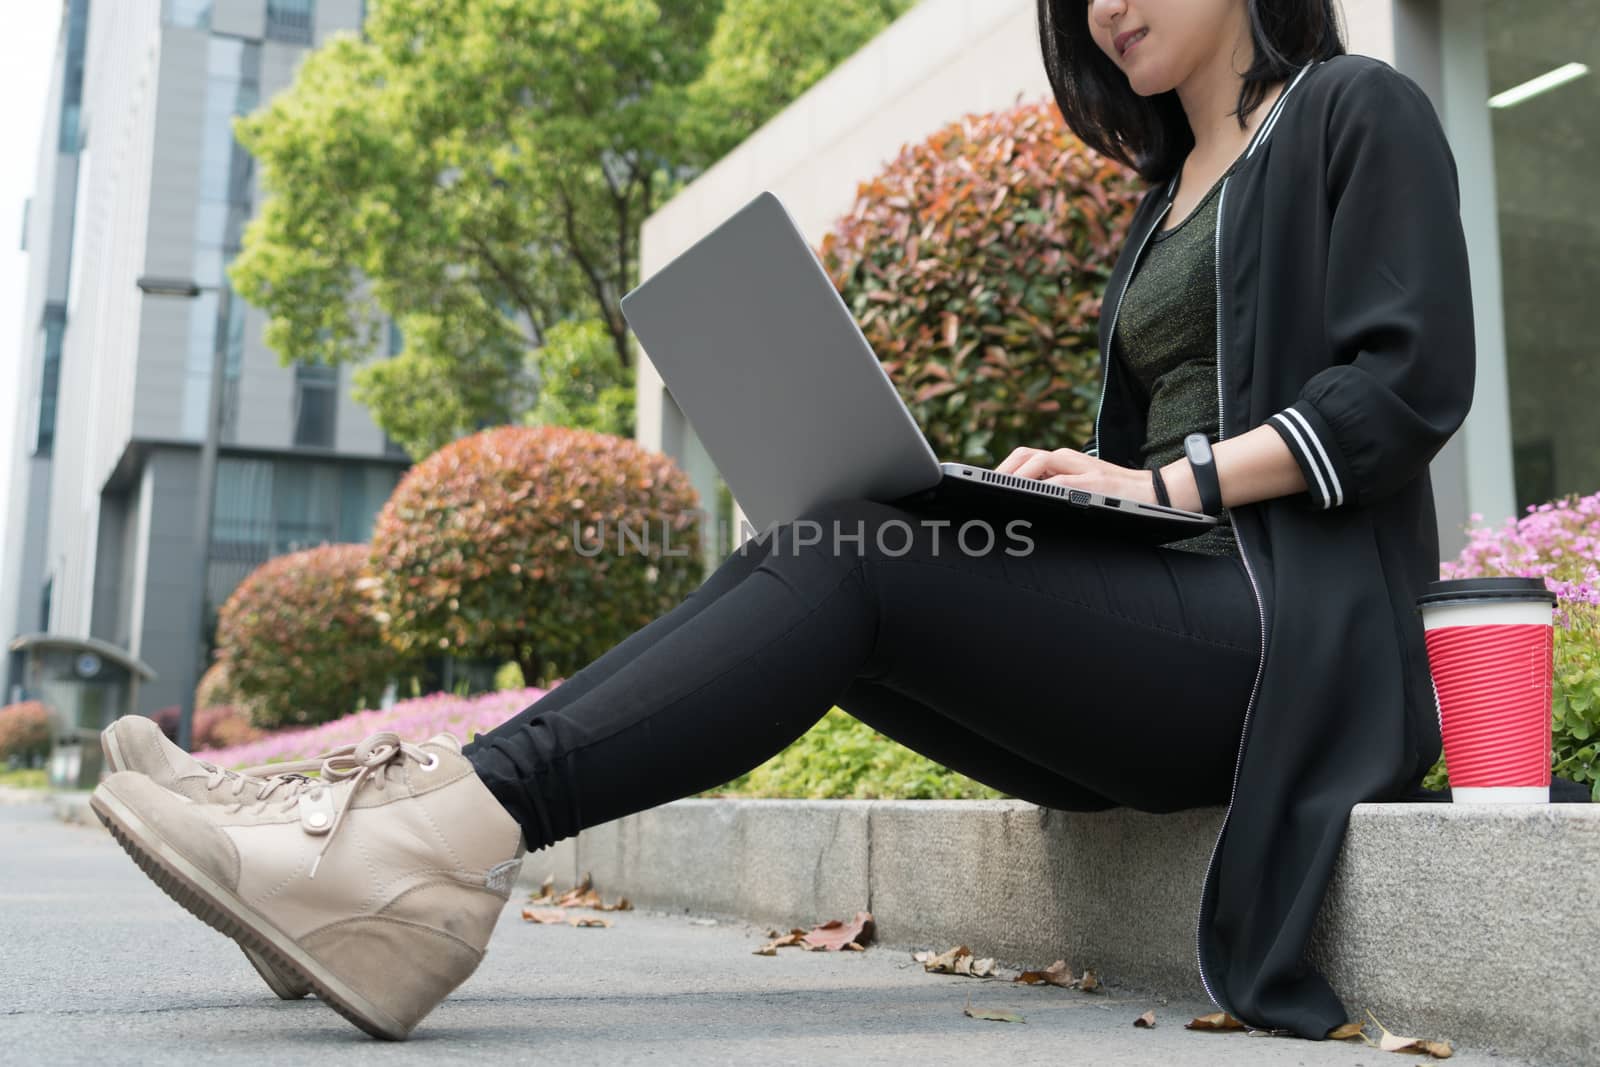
x,y
269,507
290,20
72,78
1544,80
55,329
191,14
216,316
316,401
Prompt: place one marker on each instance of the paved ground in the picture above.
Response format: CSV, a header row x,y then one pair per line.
x,y
98,966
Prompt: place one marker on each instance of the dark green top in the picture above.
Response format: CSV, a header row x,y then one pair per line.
x,y
1167,335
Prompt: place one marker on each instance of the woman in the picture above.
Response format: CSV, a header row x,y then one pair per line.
x,y
1294,287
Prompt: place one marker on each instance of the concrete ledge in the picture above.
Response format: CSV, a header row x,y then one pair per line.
x,y
1474,923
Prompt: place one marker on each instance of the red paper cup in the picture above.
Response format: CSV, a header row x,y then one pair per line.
x,y
1491,647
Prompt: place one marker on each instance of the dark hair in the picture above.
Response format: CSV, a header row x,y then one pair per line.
x,y
1152,134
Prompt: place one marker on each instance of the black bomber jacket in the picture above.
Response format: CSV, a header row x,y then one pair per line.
x,y
1344,321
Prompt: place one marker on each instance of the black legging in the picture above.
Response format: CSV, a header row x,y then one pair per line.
x,y
1075,673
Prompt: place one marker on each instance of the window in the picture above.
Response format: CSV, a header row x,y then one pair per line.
x,y
1543,66
72,79
55,328
289,20
44,604
222,207
190,14
268,507
316,394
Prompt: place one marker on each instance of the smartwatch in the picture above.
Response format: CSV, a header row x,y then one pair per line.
x,y
1197,448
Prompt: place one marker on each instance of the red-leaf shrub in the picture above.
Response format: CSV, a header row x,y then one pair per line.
x,y
167,719
24,732
975,264
216,688
299,643
223,726
505,546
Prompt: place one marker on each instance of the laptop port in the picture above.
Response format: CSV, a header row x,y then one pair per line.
x,y
1078,496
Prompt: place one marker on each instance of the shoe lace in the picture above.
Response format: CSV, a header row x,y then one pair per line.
x,y
366,761
266,779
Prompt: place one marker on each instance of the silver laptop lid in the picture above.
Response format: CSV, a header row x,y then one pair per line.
x,y
762,355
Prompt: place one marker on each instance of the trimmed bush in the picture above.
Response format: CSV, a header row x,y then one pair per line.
x,y
223,726
504,546
1559,542
975,264
24,732
216,688
167,719
842,757
299,642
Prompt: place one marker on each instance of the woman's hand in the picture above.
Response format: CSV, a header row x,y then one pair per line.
x,y
1077,470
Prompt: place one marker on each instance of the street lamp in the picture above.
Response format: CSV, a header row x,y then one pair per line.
x,y
188,288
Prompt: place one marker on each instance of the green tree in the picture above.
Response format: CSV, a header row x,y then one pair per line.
x,y
582,383
764,54
479,169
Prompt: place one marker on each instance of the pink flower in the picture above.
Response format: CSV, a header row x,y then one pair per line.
x,y
414,720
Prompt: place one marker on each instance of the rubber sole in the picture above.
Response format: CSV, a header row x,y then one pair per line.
x,y
281,987
215,906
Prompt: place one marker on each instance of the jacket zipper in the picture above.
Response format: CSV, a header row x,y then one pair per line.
x,y
1261,614
1111,335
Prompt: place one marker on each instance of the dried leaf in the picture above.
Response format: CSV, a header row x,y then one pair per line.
x,y
835,934
588,920
1088,983
793,937
1348,1030
993,1016
544,915
1439,1050
582,895
1057,974
945,962
1217,1020
1147,1020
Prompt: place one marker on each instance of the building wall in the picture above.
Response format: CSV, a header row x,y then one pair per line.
x,y
943,59
103,303
48,228
160,194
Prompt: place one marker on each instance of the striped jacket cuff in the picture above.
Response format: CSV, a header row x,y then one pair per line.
x,y
1311,442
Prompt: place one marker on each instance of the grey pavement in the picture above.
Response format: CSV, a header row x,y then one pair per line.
x,y
98,966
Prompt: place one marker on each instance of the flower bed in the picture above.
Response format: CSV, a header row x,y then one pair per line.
x,y
414,720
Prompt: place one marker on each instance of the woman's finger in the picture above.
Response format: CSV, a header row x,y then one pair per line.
x,y
1036,466
1015,459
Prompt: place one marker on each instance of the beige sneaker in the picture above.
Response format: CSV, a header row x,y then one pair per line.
x,y
378,886
136,743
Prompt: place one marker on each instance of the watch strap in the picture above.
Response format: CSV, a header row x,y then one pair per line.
x,y
1205,478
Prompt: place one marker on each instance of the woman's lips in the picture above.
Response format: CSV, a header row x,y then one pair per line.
x,y
1138,36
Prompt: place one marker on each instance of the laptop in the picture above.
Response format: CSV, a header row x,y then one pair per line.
x,y
761,354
